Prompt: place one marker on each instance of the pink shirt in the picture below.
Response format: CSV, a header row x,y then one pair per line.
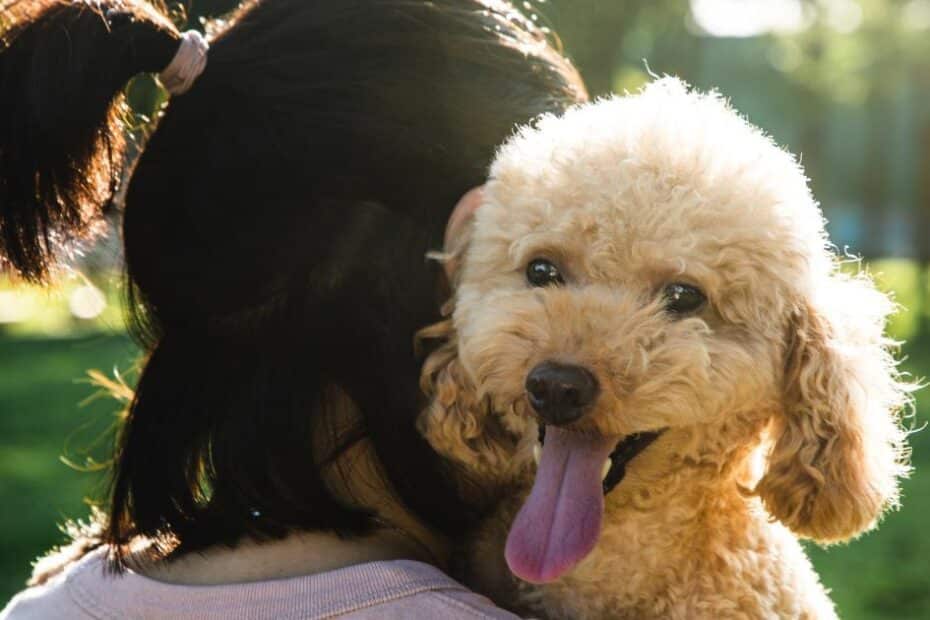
x,y
384,590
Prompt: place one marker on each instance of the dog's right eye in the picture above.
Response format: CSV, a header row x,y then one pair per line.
x,y
541,272
683,299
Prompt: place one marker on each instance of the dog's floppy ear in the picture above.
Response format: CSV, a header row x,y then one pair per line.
x,y
453,407
457,422
839,448
450,420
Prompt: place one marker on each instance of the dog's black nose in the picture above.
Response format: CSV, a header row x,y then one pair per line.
x,y
560,393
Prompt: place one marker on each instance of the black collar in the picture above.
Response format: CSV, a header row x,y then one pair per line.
x,y
625,451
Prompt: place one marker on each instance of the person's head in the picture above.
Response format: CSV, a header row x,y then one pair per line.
x,y
275,228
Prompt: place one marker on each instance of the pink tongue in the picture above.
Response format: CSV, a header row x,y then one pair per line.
x,y
560,521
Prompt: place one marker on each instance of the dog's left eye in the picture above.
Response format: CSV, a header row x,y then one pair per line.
x,y
682,299
541,272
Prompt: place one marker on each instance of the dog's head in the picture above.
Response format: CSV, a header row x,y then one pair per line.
x,y
650,263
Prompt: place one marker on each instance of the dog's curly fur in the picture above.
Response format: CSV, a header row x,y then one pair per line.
x,y
781,398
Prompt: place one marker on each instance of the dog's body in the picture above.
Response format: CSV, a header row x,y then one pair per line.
x,y
668,259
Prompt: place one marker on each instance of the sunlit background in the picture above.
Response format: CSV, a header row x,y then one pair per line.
x,y
844,83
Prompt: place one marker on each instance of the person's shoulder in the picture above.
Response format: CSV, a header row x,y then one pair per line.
x,y
83,540
467,604
451,604
424,591
51,596
51,600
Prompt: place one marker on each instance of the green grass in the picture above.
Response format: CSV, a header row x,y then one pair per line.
x,y
885,574
41,386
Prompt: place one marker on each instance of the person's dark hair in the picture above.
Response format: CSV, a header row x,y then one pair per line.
x,y
275,229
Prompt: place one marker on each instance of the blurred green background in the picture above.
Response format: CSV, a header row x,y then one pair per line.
x,y
844,83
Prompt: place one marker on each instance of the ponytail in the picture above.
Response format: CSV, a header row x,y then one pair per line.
x,y
274,234
63,65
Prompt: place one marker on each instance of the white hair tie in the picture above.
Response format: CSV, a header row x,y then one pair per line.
x,y
187,65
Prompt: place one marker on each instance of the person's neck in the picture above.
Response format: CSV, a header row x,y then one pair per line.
x,y
299,554
356,479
